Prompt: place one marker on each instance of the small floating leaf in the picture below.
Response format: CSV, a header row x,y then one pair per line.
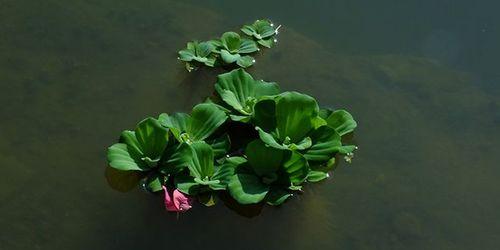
x,y
341,121
247,189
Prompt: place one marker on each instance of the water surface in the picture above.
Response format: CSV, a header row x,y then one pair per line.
x,y
420,77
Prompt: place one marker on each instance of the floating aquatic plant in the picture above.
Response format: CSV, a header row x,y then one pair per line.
x,y
231,48
140,149
198,53
263,31
240,92
201,154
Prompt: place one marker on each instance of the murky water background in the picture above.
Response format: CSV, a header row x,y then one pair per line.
x,y
420,77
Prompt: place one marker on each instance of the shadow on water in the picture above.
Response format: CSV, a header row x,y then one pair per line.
x,y
126,181
122,181
247,211
199,81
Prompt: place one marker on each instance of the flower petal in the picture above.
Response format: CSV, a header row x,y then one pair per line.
x,y
182,202
169,203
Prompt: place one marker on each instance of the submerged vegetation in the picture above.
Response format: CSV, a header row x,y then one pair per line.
x,y
250,140
231,48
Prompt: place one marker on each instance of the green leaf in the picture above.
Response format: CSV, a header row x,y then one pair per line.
x,y
186,184
229,58
231,41
247,188
210,61
204,49
177,123
239,90
120,158
133,146
318,122
296,168
259,29
152,138
346,149
264,28
202,160
240,118
216,43
294,115
316,176
277,196
247,46
199,52
176,158
236,160
154,182
323,166
231,99
223,174
269,139
326,142
245,61
220,145
206,182
264,159
234,46
325,112
205,119
341,121
186,55
302,145
142,148
268,43
264,115
248,30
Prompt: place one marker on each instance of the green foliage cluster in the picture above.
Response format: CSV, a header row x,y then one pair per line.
x,y
250,139
294,142
231,48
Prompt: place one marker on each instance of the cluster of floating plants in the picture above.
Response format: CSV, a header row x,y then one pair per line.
x,y
231,48
250,140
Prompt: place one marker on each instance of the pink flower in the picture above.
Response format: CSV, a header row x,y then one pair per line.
x,y
177,202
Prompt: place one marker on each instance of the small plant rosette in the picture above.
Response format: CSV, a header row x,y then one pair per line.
x,y
231,49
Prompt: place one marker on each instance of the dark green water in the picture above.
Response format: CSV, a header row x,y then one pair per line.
x,y
421,78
